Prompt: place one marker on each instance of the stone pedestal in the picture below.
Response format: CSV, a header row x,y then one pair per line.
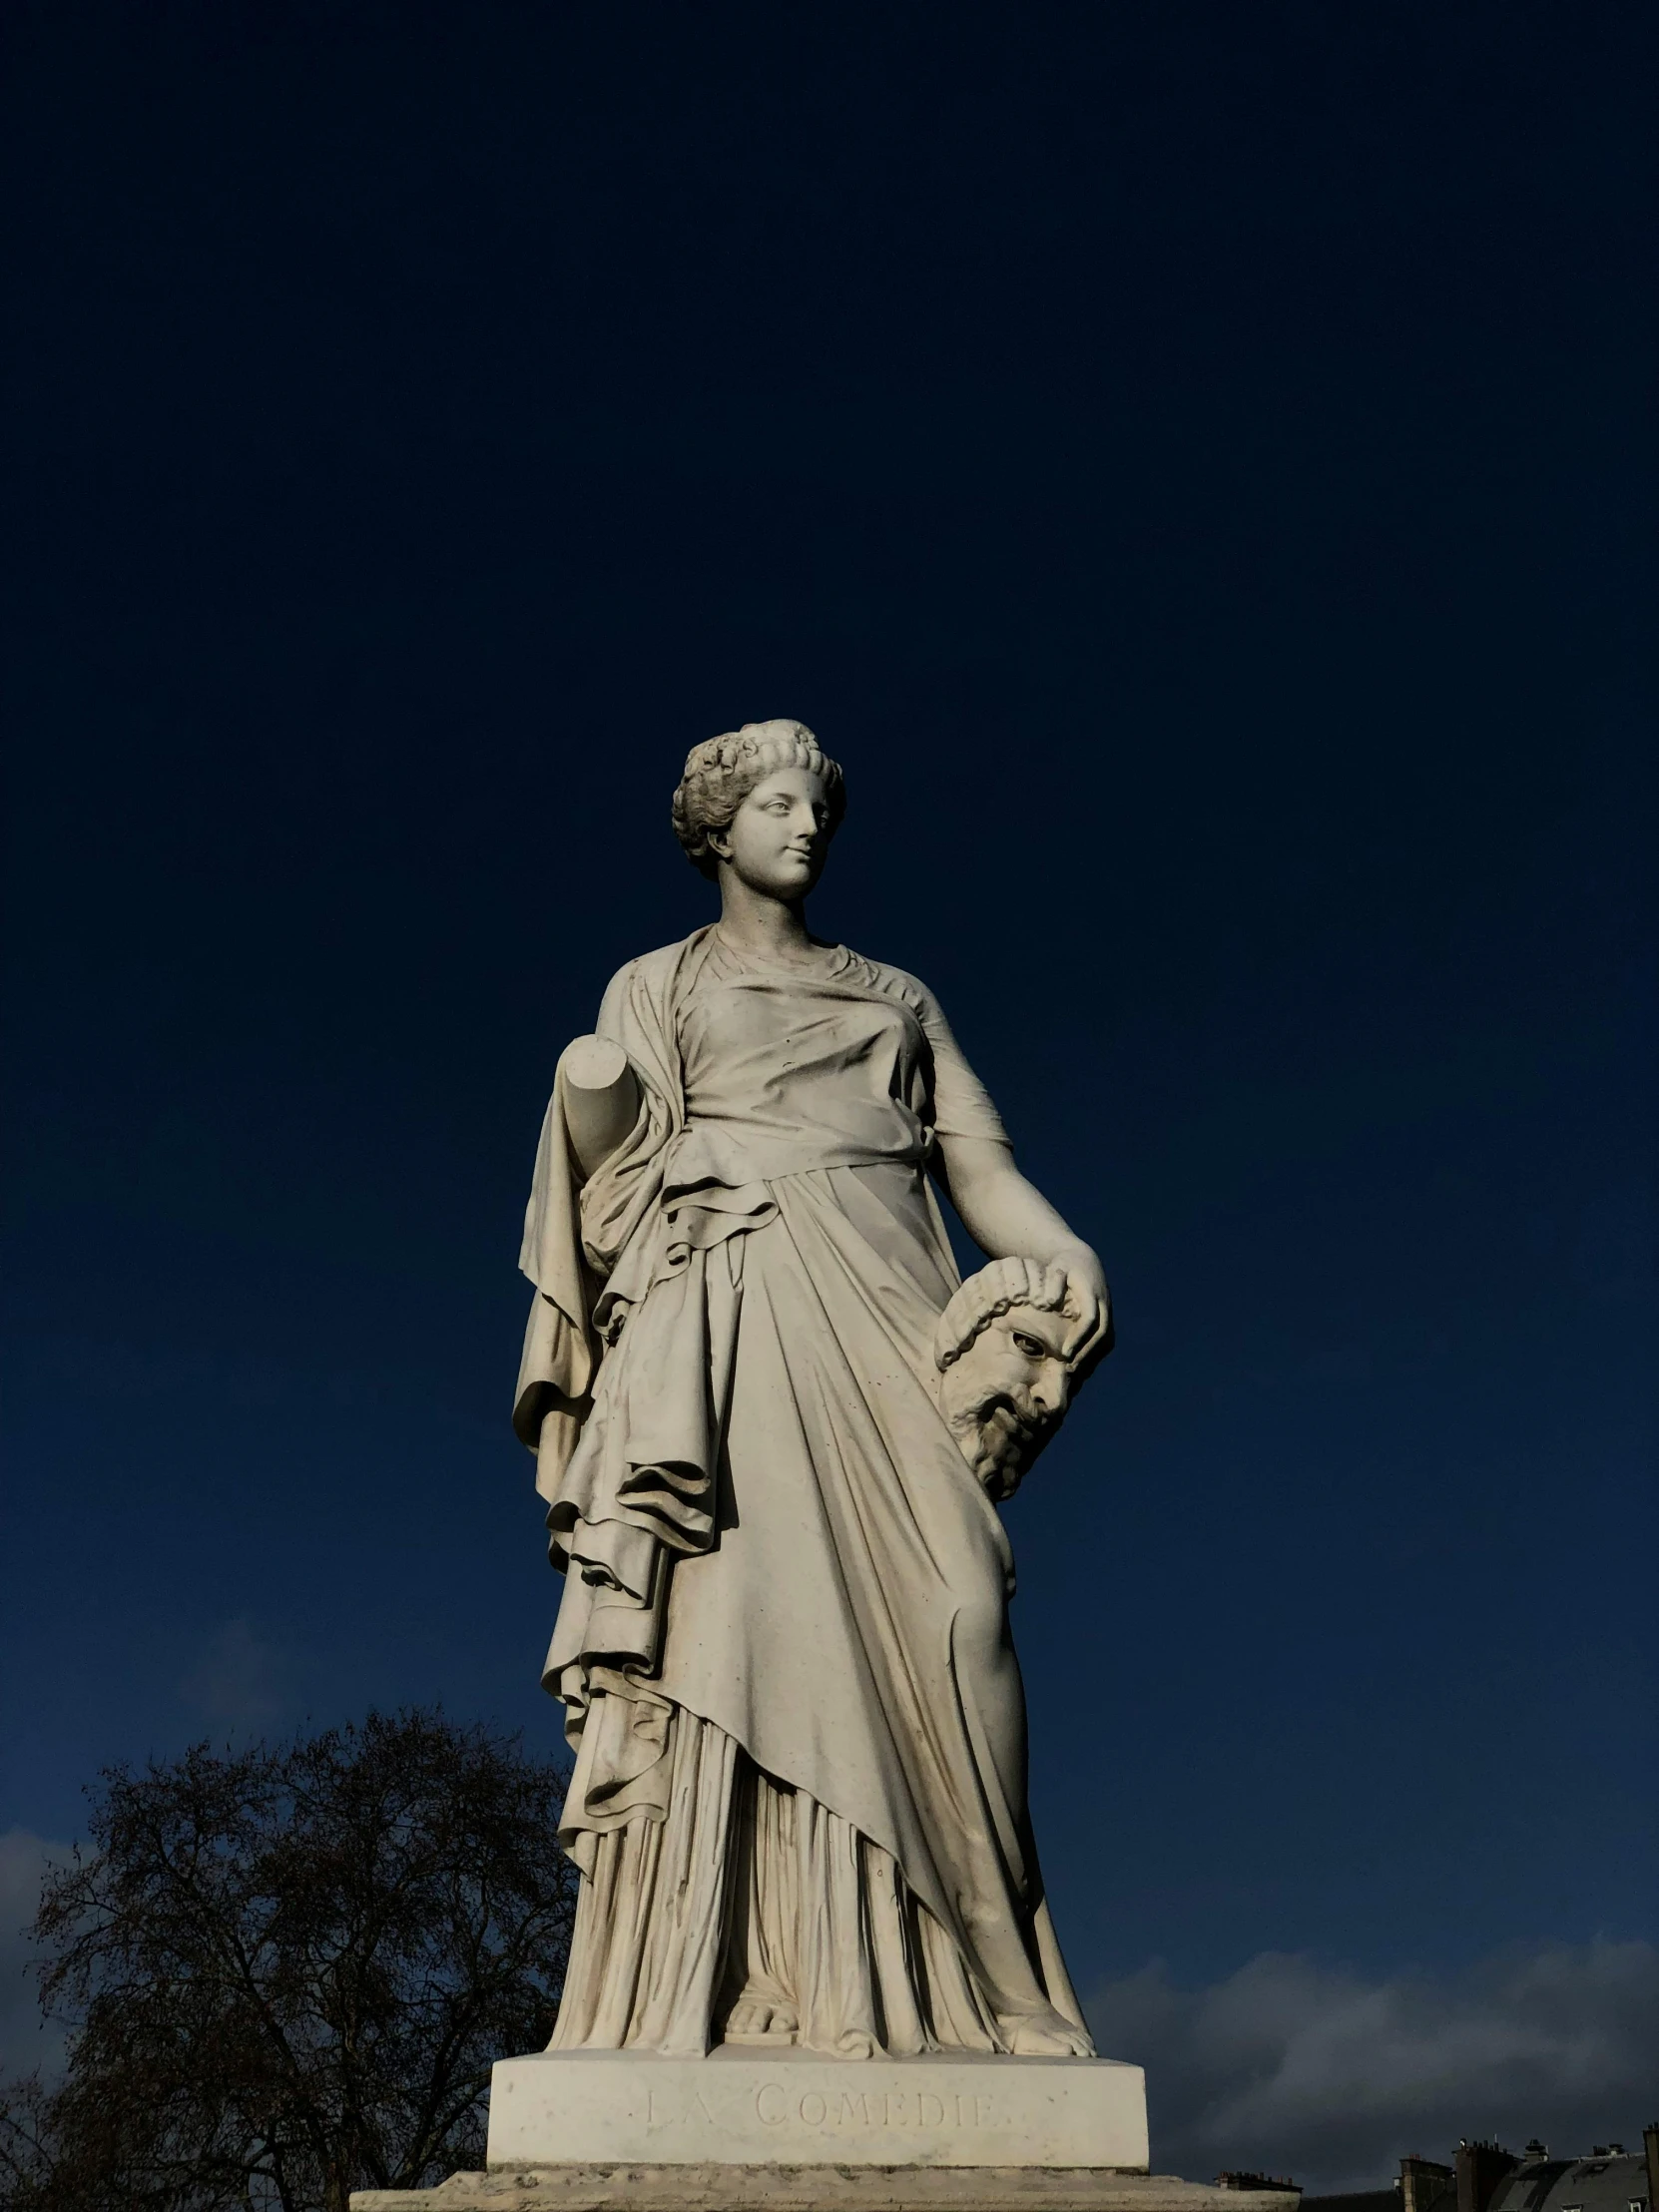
x,y
743,2106
755,2130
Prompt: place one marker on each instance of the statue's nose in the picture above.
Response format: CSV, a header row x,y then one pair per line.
x,y
1052,1388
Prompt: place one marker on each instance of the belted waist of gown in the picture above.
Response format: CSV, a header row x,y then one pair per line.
x,y
733,1156
716,1187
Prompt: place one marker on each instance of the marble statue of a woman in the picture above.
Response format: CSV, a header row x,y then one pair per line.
x,y
770,1442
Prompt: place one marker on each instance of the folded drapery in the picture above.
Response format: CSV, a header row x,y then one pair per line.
x,y
771,1538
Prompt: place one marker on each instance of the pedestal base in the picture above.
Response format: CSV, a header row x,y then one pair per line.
x,y
819,2190
743,2106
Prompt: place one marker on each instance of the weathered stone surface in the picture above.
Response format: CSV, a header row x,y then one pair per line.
x,y
786,2106
784,2188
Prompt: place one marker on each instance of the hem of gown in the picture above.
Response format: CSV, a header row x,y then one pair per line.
x,y
743,1900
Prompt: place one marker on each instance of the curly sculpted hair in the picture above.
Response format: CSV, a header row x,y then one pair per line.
x,y
722,772
975,1303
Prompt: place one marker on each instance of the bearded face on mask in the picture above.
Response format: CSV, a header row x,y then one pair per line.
x,y
1005,1348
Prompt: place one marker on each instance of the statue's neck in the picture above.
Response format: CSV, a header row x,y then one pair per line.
x,y
751,923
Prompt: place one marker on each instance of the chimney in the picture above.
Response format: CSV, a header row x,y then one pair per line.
x,y
1480,2168
1423,2183
1650,2143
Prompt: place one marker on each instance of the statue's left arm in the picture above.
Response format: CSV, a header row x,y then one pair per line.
x,y
1008,1217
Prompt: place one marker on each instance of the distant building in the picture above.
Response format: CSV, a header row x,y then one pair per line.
x,y
1486,2178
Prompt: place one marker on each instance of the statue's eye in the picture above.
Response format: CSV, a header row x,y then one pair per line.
x,y
1032,1347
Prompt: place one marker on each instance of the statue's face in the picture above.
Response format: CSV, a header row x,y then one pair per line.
x,y
780,834
1006,1395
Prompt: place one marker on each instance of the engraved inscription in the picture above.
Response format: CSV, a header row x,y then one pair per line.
x,y
898,2109
695,2108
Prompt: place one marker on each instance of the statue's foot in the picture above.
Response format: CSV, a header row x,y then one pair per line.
x,y
758,2018
1046,2035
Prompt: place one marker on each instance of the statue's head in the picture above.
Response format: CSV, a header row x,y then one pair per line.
x,y
763,800
1007,1349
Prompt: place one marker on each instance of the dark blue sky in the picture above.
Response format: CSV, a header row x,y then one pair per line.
x,y
1189,463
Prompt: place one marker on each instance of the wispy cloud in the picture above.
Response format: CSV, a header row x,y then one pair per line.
x,y
1321,2073
24,2043
241,1678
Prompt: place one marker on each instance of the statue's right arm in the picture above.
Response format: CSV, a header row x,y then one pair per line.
x,y
602,1099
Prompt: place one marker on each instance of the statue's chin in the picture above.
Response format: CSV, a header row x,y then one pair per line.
x,y
999,1478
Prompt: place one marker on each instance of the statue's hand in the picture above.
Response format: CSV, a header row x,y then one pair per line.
x,y
1085,1291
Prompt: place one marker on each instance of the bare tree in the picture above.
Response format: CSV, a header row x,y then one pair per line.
x,y
288,1972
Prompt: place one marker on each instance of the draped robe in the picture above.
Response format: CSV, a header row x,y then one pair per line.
x,y
783,1649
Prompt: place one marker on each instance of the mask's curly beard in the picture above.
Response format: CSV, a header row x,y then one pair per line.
x,y
1000,1438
